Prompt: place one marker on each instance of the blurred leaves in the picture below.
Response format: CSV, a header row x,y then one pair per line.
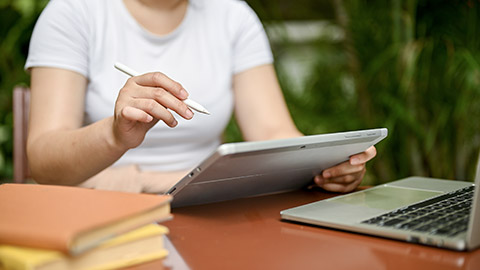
x,y
276,10
18,18
414,68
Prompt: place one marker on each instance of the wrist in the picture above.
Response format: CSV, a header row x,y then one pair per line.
x,y
114,144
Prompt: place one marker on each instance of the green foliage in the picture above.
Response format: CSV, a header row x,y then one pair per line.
x,y
269,10
413,67
17,21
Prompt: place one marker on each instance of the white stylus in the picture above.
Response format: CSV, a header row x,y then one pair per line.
x,y
190,103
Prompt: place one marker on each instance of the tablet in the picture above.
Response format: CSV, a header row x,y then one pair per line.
x,y
245,169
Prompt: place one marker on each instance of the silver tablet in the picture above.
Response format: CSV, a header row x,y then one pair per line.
x,y
245,169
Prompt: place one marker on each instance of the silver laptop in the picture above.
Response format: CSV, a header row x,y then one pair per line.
x,y
436,212
245,169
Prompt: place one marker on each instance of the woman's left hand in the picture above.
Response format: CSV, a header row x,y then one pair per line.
x,y
345,176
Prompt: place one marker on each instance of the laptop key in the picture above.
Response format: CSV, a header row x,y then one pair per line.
x,y
393,221
447,214
424,228
443,231
409,225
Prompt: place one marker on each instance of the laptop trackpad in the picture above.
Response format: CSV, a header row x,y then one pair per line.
x,y
386,197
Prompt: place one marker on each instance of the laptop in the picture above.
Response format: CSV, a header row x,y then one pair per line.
x,y
435,212
246,169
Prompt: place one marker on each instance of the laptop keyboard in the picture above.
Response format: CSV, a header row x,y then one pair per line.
x,y
446,215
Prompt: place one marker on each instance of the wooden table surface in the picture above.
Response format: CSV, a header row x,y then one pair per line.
x,y
249,234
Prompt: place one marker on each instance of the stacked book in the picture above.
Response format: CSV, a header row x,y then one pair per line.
x,y
58,227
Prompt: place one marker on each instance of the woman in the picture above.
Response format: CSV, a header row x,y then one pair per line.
x,y
216,50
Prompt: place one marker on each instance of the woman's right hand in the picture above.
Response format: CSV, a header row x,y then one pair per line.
x,y
58,142
142,102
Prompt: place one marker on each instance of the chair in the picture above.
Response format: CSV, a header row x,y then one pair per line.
x,y
21,109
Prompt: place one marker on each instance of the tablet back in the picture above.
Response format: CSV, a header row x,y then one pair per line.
x,y
238,170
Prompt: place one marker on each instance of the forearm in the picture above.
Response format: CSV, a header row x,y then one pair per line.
x,y
282,132
69,157
260,108
61,151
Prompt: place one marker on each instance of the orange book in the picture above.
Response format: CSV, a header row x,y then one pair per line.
x,y
73,220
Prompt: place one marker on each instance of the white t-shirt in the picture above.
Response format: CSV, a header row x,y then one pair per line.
x,y
216,39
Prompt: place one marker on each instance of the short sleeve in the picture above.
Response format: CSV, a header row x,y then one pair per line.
x,y
250,43
60,38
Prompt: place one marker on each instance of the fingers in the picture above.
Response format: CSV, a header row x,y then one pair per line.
x,y
355,165
168,98
342,169
160,80
159,110
363,157
334,187
134,114
344,183
150,96
344,177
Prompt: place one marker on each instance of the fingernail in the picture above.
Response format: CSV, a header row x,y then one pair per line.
x,y
318,180
354,161
188,113
183,94
174,123
326,174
